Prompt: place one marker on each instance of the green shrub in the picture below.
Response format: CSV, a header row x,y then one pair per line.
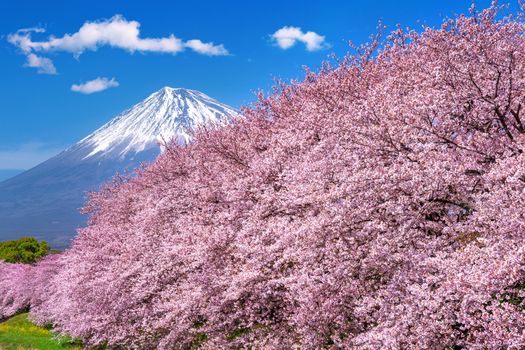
x,y
25,250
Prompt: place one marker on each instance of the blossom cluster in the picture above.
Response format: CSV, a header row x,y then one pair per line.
x,y
25,285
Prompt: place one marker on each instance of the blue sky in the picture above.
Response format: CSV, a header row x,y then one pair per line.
x,y
40,114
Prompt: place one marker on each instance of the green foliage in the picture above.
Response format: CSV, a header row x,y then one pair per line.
x,y
25,250
238,333
199,339
515,296
18,333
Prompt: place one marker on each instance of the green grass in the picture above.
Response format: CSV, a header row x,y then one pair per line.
x,y
18,333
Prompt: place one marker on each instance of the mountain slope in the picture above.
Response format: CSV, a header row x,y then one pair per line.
x,y
44,200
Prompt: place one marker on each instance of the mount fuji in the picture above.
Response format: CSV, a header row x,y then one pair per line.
x,y
44,201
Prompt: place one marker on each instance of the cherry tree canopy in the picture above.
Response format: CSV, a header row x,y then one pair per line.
x,y
378,204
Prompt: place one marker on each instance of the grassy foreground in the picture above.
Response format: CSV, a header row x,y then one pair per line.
x,y
18,333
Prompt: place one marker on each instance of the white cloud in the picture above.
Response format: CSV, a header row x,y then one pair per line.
x,y
26,156
286,37
207,48
95,85
43,64
115,32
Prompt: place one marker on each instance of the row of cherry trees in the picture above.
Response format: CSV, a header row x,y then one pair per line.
x,y
23,285
378,204
13,288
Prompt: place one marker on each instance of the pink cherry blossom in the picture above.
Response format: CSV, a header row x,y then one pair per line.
x,y
378,204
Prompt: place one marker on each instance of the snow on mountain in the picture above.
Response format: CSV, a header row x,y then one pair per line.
x,y
166,114
44,200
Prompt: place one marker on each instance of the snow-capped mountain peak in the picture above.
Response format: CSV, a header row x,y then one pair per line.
x,y
170,113
44,201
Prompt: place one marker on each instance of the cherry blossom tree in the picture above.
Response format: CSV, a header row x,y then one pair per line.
x,y
378,204
14,291
26,285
